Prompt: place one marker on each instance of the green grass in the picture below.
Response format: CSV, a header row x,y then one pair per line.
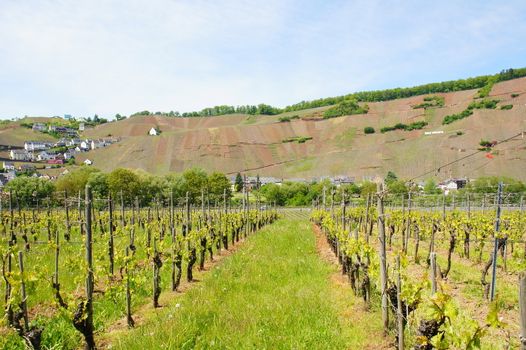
x,y
274,293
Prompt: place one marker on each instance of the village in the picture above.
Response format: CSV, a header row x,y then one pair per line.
x,y
38,155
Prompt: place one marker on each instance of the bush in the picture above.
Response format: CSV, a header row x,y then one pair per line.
x,y
460,133
487,104
514,95
431,101
347,107
368,130
506,107
400,126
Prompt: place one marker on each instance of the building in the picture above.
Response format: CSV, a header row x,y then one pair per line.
x,y
55,161
88,162
44,156
60,143
452,185
98,144
85,145
8,166
21,155
3,180
39,127
32,146
73,142
81,127
153,132
70,153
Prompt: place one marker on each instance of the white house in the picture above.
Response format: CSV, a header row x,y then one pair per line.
x,y
85,145
452,185
88,162
72,142
45,156
22,155
9,166
98,144
153,132
81,127
35,146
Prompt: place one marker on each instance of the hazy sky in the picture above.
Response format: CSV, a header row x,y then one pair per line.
x,y
100,56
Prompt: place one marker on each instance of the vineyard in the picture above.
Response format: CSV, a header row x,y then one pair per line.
x,y
444,275
73,270
441,272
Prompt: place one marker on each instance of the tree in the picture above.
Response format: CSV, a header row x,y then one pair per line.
x,y
391,177
367,188
125,181
258,182
217,184
194,180
273,194
99,184
75,181
368,130
239,183
119,117
397,187
430,187
29,189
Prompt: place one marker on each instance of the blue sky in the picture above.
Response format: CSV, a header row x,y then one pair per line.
x,y
106,57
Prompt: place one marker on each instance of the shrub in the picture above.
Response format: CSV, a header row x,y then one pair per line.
x,y
431,101
487,104
506,107
400,126
514,95
460,133
347,107
368,130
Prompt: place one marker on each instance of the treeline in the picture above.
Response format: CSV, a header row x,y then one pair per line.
x,y
484,82
132,185
302,194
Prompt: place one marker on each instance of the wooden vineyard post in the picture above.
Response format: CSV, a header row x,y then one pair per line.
x,y
23,290
85,323
399,314
156,274
191,249
56,283
496,246
433,262
324,198
129,318
383,262
522,308
8,308
408,223
68,225
368,231
111,248
123,222
223,227
444,207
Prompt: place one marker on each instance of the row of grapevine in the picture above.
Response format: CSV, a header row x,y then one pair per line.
x,y
383,251
92,261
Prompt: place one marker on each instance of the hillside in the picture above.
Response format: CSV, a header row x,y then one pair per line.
x,y
254,144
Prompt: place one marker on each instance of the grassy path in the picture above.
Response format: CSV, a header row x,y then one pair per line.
x,y
274,293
